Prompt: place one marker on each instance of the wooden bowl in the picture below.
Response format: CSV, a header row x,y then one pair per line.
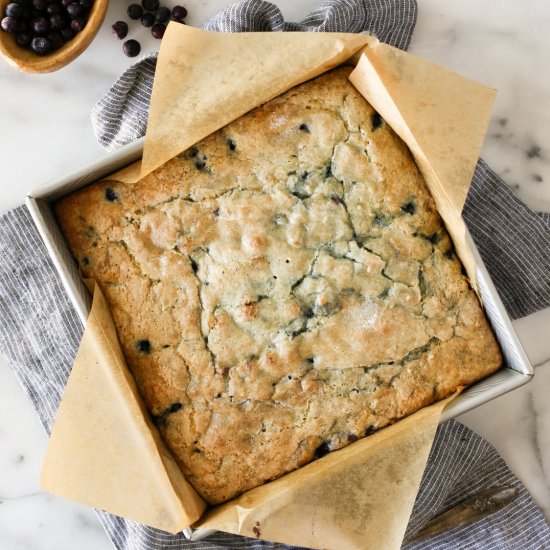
x,y
29,62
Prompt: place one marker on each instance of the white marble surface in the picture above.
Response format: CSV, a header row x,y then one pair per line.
x,y
45,131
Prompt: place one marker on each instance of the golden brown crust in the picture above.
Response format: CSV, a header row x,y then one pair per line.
x,y
283,288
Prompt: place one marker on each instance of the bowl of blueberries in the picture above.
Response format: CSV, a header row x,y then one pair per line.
x,y
39,36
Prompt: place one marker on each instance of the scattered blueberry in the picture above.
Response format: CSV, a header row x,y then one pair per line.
x,y
135,11
150,5
147,19
39,4
75,10
162,15
14,10
9,24
41,45
179,13
131,48
86,4
157,30
23,39
22,25
120,29
67,2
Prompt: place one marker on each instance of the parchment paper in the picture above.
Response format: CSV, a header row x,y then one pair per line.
x,y
103,450
359,497
203,81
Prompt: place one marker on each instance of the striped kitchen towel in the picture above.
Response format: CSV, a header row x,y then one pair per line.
x,y
40,331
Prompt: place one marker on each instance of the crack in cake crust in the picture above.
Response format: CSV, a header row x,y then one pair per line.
x,y
281,289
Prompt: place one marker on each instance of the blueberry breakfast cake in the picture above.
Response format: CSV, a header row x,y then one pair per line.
x,y
283,288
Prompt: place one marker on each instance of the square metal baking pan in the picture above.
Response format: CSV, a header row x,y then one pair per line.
x,y
517,369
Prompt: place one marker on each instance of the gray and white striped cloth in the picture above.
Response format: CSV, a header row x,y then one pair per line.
x,y
40,331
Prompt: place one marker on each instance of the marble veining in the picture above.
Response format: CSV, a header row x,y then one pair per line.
x,y
45,131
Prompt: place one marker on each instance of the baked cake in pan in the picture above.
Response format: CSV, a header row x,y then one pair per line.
x,y
283,288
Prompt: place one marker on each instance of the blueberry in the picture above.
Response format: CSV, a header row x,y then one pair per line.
x,y
22,25
322,450
67,2
14,10
75,10
67,33
435,238
150,5
39,4
157,30
409,208
110,194
135,11
56,40
22,3
41,25
162,15
179,13
41,45
57,22
449,254
78,24
174,407
144,346
370,430
9,24
376,121
131,48
147,19
86,4
54,9
120,29
23,39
